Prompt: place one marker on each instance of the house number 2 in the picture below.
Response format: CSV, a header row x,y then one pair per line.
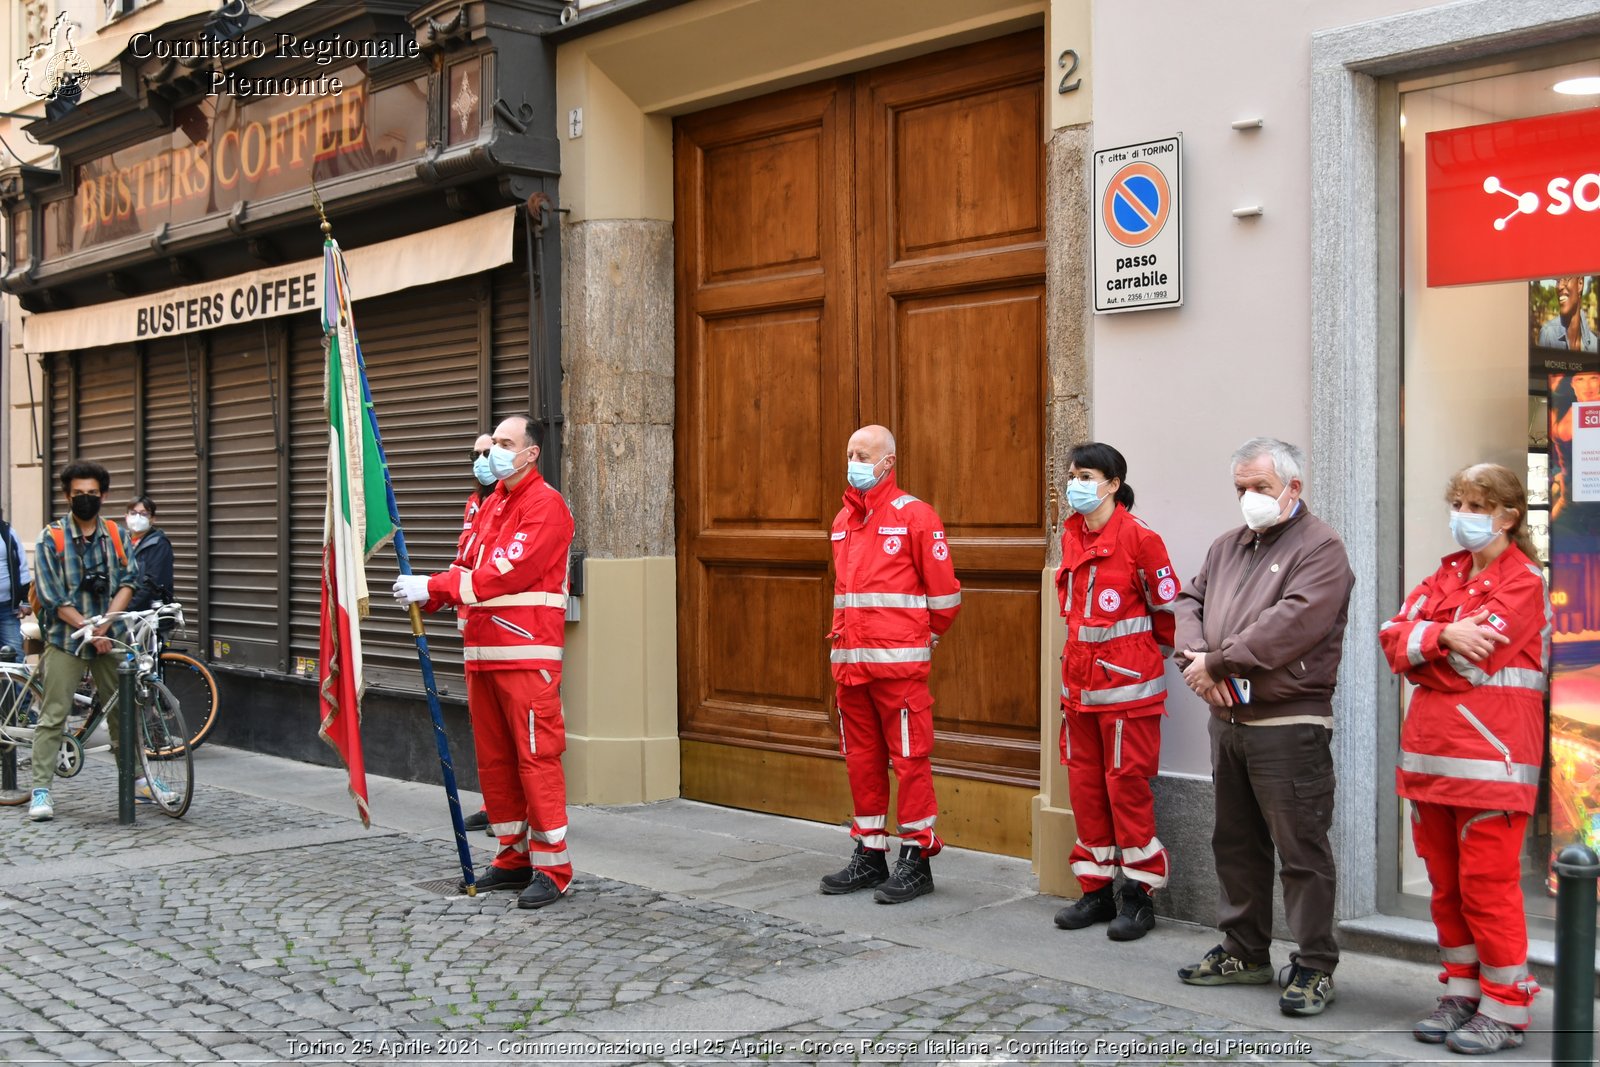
x,y
1068,61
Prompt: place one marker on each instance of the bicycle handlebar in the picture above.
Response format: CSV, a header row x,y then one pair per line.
x,y
141,622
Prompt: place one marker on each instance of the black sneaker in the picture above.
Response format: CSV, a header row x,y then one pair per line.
x,y
867,868
541,891
912,877
1099,906
1136,914
500,878
478,820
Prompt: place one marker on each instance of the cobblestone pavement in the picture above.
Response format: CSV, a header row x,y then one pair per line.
x,y
253,932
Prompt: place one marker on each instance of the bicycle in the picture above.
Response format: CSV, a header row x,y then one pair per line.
x,y
165,753
189,679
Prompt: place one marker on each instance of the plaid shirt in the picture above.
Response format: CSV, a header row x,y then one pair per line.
x,y
60,578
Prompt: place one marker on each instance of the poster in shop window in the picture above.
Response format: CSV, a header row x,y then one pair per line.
x,y
1562,324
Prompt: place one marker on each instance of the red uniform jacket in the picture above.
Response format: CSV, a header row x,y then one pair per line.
x,y
1116,591
515,581
894,585
464,546
1474,732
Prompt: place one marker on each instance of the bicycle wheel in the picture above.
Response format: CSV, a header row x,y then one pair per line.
x,y
196,691
168,766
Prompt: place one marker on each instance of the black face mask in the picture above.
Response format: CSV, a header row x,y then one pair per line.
x,y
85,506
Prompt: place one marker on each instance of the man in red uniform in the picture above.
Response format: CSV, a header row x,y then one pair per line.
x,y
515,584
895,592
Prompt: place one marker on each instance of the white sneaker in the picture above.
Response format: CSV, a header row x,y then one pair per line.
x,y
41,809
143,791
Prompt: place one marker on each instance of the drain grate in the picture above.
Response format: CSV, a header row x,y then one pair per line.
x,y
441,887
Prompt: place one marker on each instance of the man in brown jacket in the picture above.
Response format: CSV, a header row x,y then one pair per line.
x,y
1260,631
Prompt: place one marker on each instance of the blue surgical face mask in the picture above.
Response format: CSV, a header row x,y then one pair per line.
x,y
1083,497
482,471
502,462
1472,531
860,475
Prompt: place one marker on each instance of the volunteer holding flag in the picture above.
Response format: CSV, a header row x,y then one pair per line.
x,y
1474,638
516,586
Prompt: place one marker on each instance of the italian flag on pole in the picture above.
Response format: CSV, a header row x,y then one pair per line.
x,y
358,523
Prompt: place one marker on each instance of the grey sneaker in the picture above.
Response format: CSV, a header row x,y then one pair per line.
x,y
1447,1017
1221,967
1306,990
1481,1035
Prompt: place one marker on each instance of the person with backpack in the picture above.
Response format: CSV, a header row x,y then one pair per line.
x,y
17,579
83,571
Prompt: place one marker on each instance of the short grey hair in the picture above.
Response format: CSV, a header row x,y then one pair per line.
x,y
1288,462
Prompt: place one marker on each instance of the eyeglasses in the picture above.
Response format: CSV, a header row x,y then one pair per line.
x,y
481,455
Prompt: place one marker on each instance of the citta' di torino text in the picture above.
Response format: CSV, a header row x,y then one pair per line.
x,y
324,51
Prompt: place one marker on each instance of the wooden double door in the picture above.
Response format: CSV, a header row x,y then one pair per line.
x,y
866,249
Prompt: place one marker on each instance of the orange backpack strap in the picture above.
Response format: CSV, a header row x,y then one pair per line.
x,y
59,536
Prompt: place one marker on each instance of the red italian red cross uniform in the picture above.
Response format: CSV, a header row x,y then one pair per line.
x,y
894,590
1470,752
515,587
1116,588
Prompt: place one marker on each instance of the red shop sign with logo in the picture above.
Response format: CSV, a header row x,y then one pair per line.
x,y
1515,200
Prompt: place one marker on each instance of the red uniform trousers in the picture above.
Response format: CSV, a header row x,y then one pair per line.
x,y
519,734
1473,860
1110,760
889,720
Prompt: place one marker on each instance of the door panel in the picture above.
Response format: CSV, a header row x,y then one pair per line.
x,y
868,249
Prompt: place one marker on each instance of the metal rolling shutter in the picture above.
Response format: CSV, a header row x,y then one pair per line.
x,y
242,502
421,348
509,356
58,370
105,421
170,467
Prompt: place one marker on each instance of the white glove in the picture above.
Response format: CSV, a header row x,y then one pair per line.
x,y
411,589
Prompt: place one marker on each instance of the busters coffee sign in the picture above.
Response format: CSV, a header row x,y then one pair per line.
x,y
1514,200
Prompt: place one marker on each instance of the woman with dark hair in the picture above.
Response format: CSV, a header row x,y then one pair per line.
x,y
1474,640
1116,588
152,552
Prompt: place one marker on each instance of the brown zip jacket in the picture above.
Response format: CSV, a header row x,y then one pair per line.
x,y
1271,608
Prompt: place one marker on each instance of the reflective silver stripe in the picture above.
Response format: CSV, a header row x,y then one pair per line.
x,y
902,501
919,824
871,822
905,732
1103,853
527,600
939,603
1511,1014
1459,954
1416,609
494,652
1149,878
1091,634
879,600
533,738
1114,668
502,564
1084,868
1479,770
550,859
1068,600
1154,687
877,842
1488,735
1116,754
1088,594
505,624
921,654
1504,678
1139,855
520,845
549,837
1414,644
465,592
1480,817
1462,987
1503,975
507,829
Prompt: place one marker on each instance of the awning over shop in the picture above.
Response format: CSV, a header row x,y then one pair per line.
x,y
457,250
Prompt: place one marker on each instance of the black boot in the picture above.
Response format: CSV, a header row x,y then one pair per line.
x,y
912,877
478,820
1136,913
1096,907
867,868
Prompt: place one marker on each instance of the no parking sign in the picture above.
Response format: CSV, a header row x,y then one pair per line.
x,y
1138,232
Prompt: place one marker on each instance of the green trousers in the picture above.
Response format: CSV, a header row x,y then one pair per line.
x,y
60,673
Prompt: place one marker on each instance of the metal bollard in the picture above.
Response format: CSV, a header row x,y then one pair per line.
x,y
1577,869
8,770
127,737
